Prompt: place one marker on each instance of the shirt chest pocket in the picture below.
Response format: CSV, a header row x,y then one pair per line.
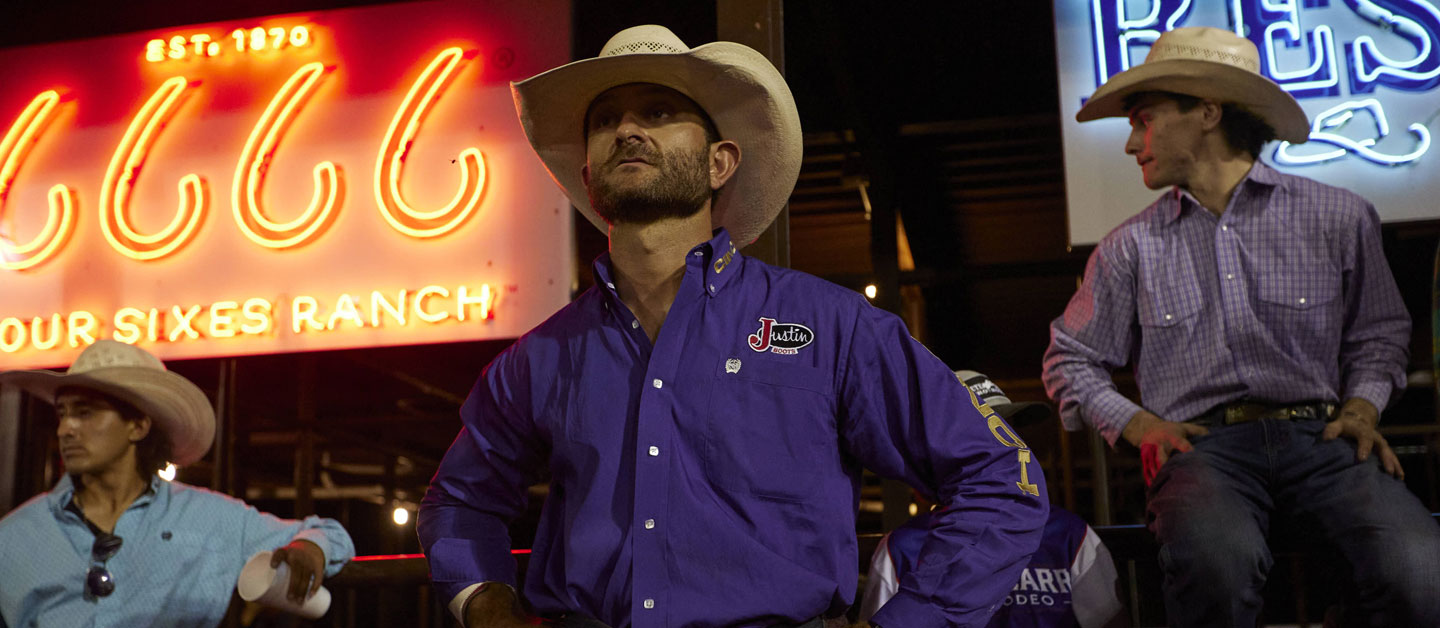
x,y
771,427
1304,300
1168,306
1299,289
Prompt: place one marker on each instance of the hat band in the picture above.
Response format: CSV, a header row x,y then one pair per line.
x,y
1197,53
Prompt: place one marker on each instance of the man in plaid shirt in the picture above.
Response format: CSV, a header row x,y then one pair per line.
x,y
1266,334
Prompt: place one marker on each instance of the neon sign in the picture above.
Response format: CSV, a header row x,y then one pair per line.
x,y
255,316
1277,29
280,184
204,45
61,220
144,131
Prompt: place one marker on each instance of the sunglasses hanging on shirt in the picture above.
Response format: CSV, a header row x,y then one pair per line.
x,y
98,580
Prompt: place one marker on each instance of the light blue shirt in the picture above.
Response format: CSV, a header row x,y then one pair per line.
x,y
182,553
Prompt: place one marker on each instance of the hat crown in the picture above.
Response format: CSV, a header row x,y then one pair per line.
x,y
644,39
1205,43
111,354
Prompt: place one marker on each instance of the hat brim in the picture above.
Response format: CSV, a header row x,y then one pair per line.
x,y
1202,79
746,98
1023,413
180,410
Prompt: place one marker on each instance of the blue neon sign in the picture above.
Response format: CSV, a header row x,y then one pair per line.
x,y
1396,46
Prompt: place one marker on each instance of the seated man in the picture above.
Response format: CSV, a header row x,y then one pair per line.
x,y
1266,334
113,544
1070,580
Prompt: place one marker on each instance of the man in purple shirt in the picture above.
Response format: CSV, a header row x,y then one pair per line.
x,y
703,417
1263,325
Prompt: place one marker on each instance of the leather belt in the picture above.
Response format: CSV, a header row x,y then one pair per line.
x,y
1246,411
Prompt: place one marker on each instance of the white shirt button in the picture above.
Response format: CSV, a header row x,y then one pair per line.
x,y
649,524
1302,300
634,324
657,383
1168,317
612,286
697,253
1229,275
649,603
654,451
712,287
1224,227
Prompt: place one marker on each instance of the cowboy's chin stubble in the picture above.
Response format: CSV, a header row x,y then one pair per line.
x,y
679,189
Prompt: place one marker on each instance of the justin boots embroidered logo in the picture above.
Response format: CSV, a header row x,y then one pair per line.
x,y
781,338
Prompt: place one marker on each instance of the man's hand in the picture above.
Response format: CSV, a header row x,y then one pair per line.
x,y
307,564
1356,421
1158,439
497,606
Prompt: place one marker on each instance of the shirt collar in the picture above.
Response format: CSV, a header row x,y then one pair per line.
x,y
1259,175
721,259
63,494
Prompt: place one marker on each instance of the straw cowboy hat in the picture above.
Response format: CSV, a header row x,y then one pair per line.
x,y
744,95
1206,63
177,407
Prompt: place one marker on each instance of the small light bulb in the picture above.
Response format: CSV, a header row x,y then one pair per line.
x,y
168,473
402,516
870,291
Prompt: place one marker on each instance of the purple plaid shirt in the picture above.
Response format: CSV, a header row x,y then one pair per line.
x,y
712,478
1284,298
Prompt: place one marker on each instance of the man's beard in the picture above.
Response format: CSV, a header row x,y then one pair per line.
x,y
679,189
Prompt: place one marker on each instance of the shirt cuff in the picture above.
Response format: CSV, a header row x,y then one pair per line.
x,y
1376,390
907,609
457,603
1109,412
334,560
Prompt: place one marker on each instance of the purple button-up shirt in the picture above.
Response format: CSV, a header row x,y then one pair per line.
x,y
712,479
1284,298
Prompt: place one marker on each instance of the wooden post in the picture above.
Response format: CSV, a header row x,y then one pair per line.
x,y
760,24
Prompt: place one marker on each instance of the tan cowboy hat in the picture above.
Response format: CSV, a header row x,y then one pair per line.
x,y
1209,63
744,95
177,407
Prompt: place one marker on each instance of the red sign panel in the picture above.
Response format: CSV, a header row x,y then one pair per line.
x,y
321,180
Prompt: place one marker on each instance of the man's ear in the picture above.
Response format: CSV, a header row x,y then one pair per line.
x,y
724,161
1210,114
585,174
139,429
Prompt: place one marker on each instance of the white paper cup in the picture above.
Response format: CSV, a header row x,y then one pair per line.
x,y
259,582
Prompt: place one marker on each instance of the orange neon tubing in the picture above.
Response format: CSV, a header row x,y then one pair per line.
x,y
60,222
255,161
125,167
398,139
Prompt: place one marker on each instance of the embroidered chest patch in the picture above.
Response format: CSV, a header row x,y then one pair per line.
x,y
781,338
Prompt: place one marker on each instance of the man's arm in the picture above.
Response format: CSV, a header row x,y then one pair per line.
x,y
264,531
905,415
480,487
1374,345
1093,337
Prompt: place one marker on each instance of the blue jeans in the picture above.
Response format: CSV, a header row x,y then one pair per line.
x,y
1211,510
